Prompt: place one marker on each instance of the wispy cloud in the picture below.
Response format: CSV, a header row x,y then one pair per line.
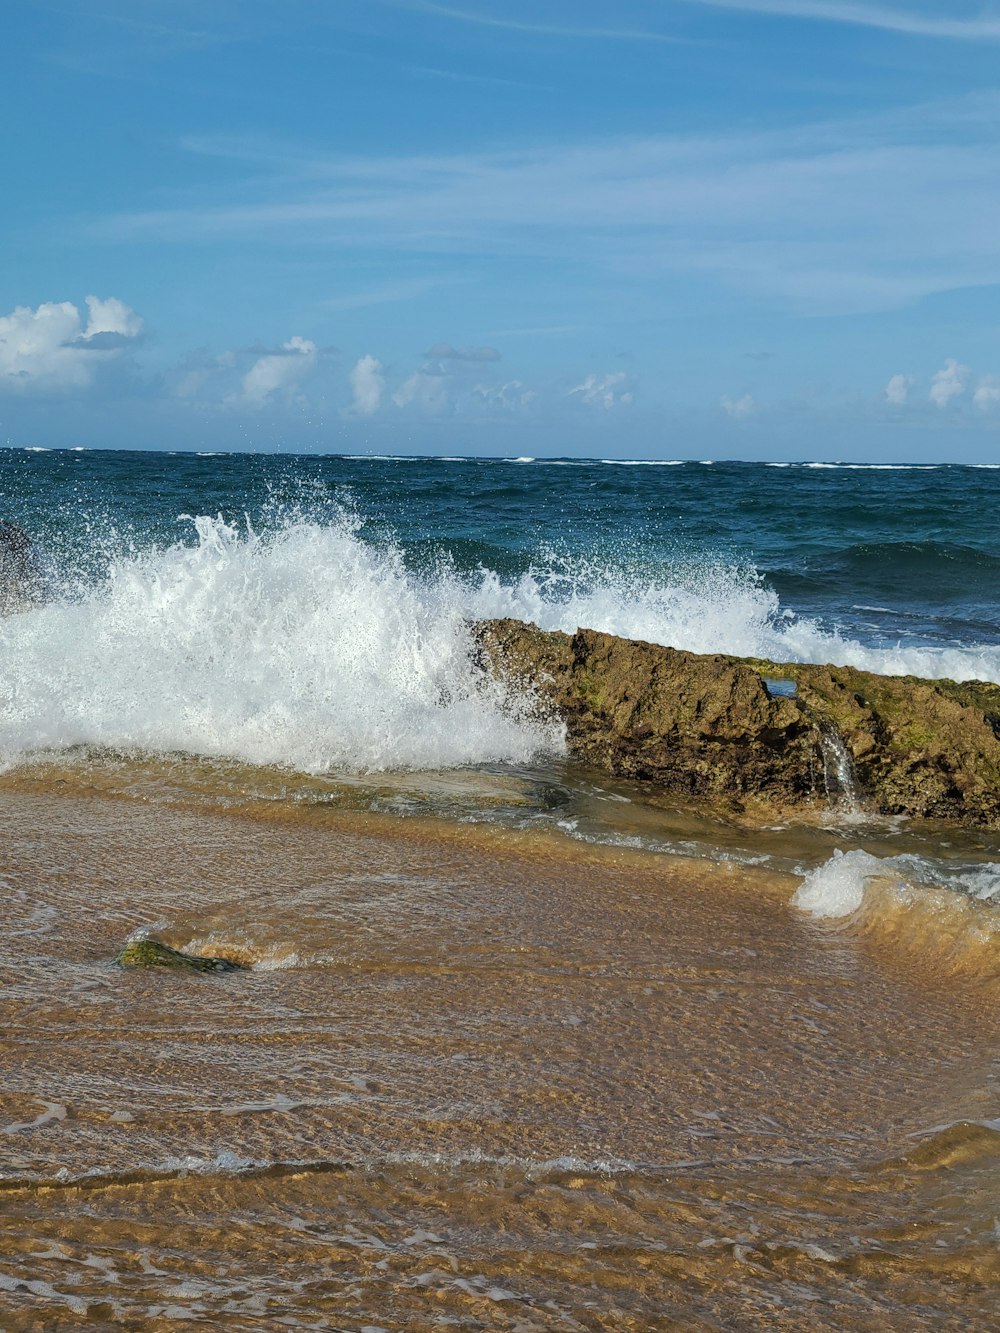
x,y
949,382
953,388
445,352
987,394
898,389
481,20
409,289
860,214
936,22
605,391
738,408
540,331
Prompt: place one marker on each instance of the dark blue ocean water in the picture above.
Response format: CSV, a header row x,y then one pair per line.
x,y
892,558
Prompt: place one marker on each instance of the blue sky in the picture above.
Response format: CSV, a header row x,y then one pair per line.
x,y
660,228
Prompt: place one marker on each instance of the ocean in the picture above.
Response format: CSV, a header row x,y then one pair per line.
x,y
516,1045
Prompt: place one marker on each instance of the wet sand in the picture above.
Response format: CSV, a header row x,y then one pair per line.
x,y
475,1079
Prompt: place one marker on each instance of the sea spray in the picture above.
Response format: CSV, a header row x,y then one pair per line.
x,y
303,646
706,606
837,888
311,639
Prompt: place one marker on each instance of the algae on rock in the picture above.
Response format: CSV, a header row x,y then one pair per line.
x,y
708,725
151,953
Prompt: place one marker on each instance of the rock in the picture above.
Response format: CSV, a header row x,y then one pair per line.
x,y
749,734
150,953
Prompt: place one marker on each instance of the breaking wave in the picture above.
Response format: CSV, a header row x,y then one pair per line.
x,y
946,914
309,646
713,608
305,647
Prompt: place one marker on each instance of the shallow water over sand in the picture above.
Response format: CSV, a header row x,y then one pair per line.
x,y
478,1077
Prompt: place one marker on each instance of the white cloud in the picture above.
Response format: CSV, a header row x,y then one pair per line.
x,y
367,386
277,373
897,390
508,397
987,393
863,213
538,29
949,382
605,391
427,393
739,408
891,18
111,316
50,348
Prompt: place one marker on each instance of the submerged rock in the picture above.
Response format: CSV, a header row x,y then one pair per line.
x,y
749,734
150,953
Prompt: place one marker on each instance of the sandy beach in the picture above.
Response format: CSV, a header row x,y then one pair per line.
x,y
472,1074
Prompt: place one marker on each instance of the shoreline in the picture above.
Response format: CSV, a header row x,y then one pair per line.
x,y
504,1061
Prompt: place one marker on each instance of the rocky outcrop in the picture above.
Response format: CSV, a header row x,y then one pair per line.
x,y
762,737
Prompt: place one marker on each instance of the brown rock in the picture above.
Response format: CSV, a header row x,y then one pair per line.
x,y
711,726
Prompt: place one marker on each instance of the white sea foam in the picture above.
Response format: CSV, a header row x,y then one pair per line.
x,y
311,647
838,887
874,467
708,609
307,647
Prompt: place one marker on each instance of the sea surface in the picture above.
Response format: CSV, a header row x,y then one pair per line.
x,y
515,1045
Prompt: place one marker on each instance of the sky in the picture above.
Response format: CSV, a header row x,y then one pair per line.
x,y
757,229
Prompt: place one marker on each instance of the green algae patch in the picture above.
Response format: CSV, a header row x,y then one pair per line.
x,y
748,734
153,954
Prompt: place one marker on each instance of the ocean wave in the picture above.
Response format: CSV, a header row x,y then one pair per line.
x,y
866,467
837,888
706,608
945,584
947,914
305,647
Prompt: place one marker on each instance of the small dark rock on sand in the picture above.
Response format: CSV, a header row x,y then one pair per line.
x,y
150,953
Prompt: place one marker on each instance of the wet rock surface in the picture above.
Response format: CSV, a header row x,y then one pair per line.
x,y
151,953
756,736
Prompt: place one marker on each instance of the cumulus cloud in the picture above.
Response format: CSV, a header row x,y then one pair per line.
x,y
897,390
277,374
507,397
367,386
445,352
987,393
949,382
605,391
738,408
51,348
425,391
111,317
